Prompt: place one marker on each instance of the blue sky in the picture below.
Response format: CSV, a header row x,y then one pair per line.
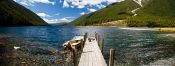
x,y
56,11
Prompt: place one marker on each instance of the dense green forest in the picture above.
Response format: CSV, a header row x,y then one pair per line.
x,y
154,13
13,14
115,11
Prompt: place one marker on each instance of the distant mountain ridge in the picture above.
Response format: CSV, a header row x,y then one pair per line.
x,y
13,14
135,13
115,11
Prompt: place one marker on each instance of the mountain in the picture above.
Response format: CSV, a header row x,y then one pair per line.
x,y
115,11
154,13
146,13
13,14
59,24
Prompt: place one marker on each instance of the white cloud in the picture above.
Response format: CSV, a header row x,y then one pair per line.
x,y
43,15
51,20
24,3
15,0
58,20
57,14
101,6
29,2
65,4
82,13
60,1
112,1
42,1
92,10
72,6
83,3
66,19
81,6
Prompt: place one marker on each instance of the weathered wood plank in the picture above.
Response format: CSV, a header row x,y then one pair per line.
x,y
92,55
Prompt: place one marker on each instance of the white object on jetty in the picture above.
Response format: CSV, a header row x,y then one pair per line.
x,y
73,39
15,47
78,38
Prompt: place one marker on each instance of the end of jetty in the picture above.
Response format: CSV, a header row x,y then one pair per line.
x,y
91,51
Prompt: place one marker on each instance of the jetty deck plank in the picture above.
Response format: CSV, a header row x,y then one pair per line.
x,y
91,55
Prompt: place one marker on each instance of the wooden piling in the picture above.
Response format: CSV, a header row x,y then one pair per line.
x,y
99,40
111,59
75,55
81,45
102,45
85,38
86,46
67,54
96,35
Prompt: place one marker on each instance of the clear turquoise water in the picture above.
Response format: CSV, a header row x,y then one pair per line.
x,y
132,46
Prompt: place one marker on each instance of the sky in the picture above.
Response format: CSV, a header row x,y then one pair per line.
x,y
57,11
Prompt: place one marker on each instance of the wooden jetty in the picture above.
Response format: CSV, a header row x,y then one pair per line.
x,y
91,55
91,51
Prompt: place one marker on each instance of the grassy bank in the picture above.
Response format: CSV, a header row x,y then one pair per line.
x,y
167,29
118,23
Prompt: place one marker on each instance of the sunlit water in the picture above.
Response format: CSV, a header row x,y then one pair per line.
x,y
135,47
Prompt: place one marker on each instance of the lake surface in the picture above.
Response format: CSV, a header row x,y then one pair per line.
x,y
135,47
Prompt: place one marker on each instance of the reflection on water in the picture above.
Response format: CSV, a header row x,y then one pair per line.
x,y
133,47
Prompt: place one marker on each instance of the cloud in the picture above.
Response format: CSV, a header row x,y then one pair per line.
x,y
29,2
82,13
101,6
89,3
65,4
42,1
57,14
92,10
60,1
112,1
66,19
81,6
23,3
72,6
43,15
51,20
15,0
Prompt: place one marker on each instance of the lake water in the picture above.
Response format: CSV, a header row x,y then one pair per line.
x,y
133,47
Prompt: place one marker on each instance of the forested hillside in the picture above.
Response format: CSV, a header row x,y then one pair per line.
x,y
115,11
154,13
13,14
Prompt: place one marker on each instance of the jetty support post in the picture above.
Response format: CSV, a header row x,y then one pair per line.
x,y
111,58
85,38
75,55
67,54
99,41
97,37
102,45
82,45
